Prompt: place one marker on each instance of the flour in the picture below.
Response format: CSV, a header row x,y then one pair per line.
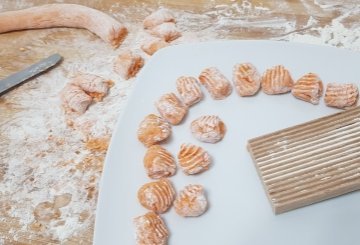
x,y
335,34
42,157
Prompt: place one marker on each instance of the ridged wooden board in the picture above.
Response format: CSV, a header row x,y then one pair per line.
x,y
310,162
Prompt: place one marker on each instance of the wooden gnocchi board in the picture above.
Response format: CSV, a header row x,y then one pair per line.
x,y
310,162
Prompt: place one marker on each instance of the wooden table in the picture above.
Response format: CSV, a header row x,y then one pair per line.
x,y
217,19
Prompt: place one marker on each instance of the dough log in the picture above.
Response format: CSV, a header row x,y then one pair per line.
x,y
65,15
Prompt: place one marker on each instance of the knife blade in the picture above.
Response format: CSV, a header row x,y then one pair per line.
x,y
23,75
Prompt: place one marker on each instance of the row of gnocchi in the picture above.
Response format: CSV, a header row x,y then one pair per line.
x,y
276,80
247,82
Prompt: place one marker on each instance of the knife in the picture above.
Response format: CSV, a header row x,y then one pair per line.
x,y
23,75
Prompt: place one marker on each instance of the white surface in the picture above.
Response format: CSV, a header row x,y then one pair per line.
x,y
239,211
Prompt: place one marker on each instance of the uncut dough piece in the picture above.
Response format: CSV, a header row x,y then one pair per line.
x,y
150,229
95,86
191,201
128,64
193,159
157,196
277,80
167,31
246,79
341,96
153,45
65,15
308,88
74,99
215,83
159,163
171,108
208,129
189,90
158,17
153,129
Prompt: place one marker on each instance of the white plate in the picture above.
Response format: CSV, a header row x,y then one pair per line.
x,y
239,211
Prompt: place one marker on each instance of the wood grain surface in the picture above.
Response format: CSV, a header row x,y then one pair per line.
x,y
249,26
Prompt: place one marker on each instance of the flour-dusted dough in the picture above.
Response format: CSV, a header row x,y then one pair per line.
x,y
277,80
215,83
193,159
167,31
95,86
128,64
208,129
158,17
150,46
159,163
246,79
341,96
171,108
191,201
82,90
153,129
157,196
74,99
65,15
150,229
189,90
308,88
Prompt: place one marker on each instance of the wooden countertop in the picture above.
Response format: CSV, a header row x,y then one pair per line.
x,y
206,20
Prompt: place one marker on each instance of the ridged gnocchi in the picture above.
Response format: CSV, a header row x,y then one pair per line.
x,y
157,196
209,129
153,129
193,159
277,80
171,108
308,88
159,163
341,96
215,83
150,229
246,79
191,201
189,90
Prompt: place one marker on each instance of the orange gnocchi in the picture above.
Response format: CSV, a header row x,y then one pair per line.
x,y
191,201
193,159
215,83
209,129
171,108
153,129
277,80
308,88
246,79
341,95
157,196
189,90
159,163
150,229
